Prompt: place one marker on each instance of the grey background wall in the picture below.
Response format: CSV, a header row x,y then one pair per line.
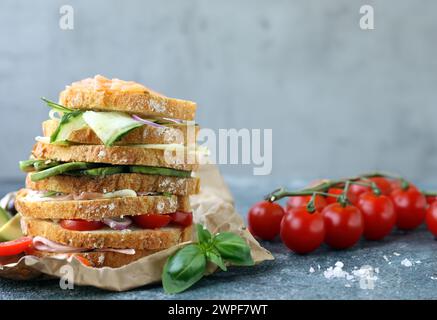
x,y
339,99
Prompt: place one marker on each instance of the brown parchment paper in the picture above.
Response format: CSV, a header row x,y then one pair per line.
x,y
213,207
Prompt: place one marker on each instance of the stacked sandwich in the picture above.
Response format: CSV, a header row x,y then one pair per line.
x,y
110,179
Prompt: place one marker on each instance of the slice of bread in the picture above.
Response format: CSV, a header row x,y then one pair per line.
x,y
172,133
121,155
102,94
102,259
99,208
134,238
110,183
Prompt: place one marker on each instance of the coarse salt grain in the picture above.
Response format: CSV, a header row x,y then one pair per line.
x,y
406,263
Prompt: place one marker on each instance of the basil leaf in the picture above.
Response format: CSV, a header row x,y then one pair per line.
x,y
183,269
215,258
203,235
233,248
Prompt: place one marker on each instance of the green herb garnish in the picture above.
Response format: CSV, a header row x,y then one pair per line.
x,y
188,265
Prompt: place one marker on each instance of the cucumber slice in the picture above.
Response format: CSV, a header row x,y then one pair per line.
x,y
160,171
110,126
4,216
62,168
99,171
69,122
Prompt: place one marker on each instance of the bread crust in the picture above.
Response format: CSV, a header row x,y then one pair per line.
x,y
110,183
103,94
99,208
142,239
117,155
172,133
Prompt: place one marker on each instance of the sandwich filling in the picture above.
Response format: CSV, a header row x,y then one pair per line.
x,y
43,169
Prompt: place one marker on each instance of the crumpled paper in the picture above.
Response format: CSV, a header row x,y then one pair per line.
x,y
213,207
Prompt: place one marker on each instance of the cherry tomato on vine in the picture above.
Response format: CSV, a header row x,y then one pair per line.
x,y
302,201
338,191
355,190
378,213
431,199
302,231
410,206
383,184
431,218
264,219
344,225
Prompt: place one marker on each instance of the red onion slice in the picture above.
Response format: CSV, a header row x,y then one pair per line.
x,y
118,223
43,244
148,122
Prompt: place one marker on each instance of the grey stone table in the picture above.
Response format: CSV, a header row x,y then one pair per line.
x,y
404,267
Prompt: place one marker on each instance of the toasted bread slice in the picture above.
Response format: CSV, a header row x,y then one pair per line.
x,y
135,238
102,94
99,208
121,155
101,259
171,133
110,183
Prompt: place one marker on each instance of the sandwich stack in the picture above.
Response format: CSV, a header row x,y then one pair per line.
x,y
110,179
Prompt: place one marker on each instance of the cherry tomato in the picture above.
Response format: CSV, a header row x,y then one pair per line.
x,y
152,221
302,231
184,219
383,184
430,199
264,219
10,248
302,201
81,225
343,225
355,190
431,218
338,191
410,206
379,215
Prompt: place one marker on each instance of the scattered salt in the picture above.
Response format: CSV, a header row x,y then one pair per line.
x,y
406,263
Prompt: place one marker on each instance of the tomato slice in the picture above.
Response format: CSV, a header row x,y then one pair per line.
x,y
81,225
83,260
184,219
152,221
10,248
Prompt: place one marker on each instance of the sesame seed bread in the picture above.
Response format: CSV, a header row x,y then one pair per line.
x,y
99,208
102,94
110,183
171,133
121,155
134,238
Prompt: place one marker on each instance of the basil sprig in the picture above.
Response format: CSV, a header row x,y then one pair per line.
x,y
188,265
